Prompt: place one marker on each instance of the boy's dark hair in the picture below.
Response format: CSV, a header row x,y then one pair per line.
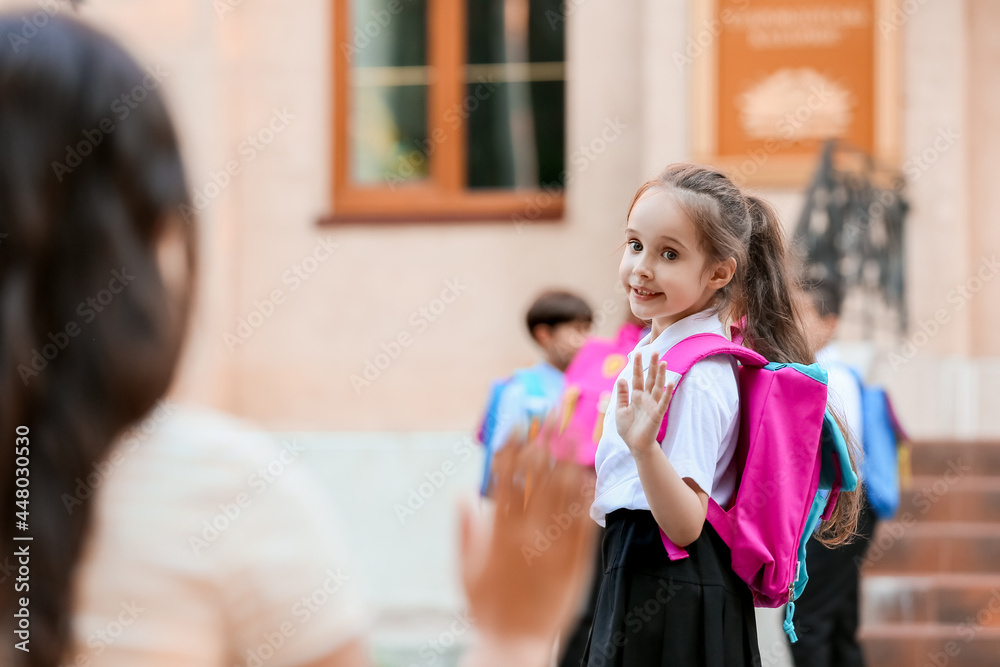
x,y
824,297
555,307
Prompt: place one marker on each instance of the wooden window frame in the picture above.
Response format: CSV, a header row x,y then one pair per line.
x,y
443,195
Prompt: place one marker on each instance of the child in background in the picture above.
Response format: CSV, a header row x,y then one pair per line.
x,y
558,322
591,380
698,252
827,610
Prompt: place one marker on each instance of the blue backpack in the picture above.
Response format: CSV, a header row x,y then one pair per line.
x,y
537,397
881,437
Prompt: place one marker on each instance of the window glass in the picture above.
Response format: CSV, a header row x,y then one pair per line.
x,y
515,94
390,79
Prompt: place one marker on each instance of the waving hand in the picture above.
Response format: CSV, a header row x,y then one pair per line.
x,y
639,417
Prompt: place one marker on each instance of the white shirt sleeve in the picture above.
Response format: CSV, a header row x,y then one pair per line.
x,y
703,417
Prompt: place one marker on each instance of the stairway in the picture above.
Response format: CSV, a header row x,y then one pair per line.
x,y
931,579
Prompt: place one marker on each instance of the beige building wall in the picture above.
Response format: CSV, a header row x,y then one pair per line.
x,y
292,352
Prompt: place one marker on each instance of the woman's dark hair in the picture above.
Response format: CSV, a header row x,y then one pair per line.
x,y
90,332
555,307
762,293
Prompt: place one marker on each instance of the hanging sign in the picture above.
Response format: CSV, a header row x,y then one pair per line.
x,y
775,78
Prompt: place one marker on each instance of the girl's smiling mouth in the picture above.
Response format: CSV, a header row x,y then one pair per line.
x,y
644,295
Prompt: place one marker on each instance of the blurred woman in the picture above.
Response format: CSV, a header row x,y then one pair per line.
x,y
159,546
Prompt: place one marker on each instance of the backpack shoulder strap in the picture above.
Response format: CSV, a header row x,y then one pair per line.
x,y
685,354
680,358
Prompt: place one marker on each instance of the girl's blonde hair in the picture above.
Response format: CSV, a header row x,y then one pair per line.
x,y
731,223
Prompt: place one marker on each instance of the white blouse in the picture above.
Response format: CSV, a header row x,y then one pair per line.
x,y
211,545
702,428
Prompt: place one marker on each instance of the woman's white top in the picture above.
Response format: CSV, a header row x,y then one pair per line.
x,y
211,544
702,429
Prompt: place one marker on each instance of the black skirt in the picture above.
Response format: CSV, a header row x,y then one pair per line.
x,y
651,611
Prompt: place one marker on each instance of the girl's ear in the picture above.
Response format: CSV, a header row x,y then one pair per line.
x,y
722,273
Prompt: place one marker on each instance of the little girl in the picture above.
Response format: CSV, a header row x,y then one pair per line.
x,y
698,252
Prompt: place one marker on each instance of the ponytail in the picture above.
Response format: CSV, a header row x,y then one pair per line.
x,y
773,328
773,325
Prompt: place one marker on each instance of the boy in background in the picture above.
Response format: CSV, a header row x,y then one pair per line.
x,y
558,322
826,614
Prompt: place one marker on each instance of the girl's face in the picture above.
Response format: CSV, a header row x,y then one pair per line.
x,y
665,273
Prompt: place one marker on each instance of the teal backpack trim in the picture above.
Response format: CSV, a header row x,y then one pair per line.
x,y
832,442
811,370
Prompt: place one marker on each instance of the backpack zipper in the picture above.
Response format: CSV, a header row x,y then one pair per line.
x,y
791,586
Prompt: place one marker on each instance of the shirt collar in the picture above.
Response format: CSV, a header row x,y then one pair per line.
x,y
706,321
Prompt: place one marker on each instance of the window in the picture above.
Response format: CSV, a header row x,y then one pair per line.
x,y
448,109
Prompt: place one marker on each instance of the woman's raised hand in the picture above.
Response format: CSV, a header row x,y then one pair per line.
x,y
525,567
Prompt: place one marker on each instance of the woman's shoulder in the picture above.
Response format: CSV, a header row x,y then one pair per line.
x,y
177,465
195,434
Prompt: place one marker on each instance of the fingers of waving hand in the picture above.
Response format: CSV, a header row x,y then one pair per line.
x,y
654,381
663,402
637,383
653,374
622,401
640,413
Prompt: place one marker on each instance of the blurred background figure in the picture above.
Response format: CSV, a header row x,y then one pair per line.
x,y
828,612
590,381
558,323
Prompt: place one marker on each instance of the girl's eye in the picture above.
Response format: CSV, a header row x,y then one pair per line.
x,y
670,254
635,246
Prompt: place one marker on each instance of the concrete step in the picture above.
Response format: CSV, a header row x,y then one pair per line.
x,y
940,498
930,591
956,459
912,547
420,636
948,599
931,645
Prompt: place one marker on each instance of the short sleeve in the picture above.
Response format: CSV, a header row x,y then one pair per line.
x,y
702,421
285,572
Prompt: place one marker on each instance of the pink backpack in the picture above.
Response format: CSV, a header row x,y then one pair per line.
x,y
789,449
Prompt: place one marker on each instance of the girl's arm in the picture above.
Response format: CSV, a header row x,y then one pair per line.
x,y
678,505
